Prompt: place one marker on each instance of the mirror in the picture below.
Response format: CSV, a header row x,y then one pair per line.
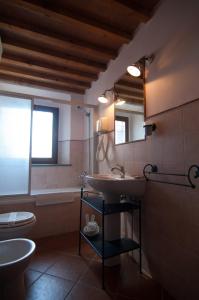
x,y
129,116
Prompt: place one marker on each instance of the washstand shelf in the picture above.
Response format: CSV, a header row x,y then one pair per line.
x,y
107,249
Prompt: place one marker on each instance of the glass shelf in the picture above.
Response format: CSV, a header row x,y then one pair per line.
x,y
97,204
111,248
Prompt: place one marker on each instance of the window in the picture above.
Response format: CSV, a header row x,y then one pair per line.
x,y
45,135
121,130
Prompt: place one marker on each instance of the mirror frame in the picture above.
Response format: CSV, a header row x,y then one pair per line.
x,y
144,89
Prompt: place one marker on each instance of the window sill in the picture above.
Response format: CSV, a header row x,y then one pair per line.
x,y
51,165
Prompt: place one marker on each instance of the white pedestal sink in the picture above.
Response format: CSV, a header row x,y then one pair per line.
x,y
112,187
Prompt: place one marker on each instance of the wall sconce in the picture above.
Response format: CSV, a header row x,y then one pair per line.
x,y
103,98
119,102
137,69
149,128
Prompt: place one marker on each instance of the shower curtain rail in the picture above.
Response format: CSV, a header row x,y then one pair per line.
x,y
153,169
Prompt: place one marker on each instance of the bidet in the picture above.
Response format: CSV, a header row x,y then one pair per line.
x,y
15,255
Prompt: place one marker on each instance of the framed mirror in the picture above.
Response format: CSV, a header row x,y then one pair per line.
x,y
129,109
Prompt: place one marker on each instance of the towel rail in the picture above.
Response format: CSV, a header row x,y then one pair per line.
x,y
189,176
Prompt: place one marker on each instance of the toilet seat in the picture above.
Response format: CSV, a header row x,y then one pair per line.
x,y
15,219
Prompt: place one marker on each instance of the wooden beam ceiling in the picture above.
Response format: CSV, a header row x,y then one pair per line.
x,y
131,87
40,81
45,41
75,20
10,64
64,45
141,13
57,79
30,55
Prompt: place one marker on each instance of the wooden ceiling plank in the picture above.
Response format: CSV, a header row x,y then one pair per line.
x,y
16,64
129,88
130,97
47,42
59,43
131,83
69,72
134,101
18,78
22,68
130,93
77,20
41,79
132,80
30,56
140,13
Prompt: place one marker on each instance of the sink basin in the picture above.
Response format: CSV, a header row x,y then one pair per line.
x,y
112,186
115,185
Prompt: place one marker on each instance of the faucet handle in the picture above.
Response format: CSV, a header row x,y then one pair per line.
x,y
83,174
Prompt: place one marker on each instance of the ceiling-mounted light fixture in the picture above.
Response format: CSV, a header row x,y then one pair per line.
x,y
137,68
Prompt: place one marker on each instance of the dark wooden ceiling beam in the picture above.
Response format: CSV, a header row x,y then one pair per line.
x,y
48,43
134,101
132,80
141,13
69,17
38,81
13,57
12,64
18,69
131,83
31,56
130,88
57,43
130,97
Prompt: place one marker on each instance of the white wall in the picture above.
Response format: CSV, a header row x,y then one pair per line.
x,y
172,35
23,89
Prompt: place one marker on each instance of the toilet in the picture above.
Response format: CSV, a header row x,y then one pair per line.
x,y
16,224
15,255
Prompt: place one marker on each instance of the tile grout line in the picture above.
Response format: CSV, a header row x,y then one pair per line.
x,y
78,280
58,277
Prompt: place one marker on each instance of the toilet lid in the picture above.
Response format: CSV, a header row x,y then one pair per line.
x,y
14,219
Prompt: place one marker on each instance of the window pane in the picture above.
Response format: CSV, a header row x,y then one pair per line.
x,y
15,121
42,134
120,132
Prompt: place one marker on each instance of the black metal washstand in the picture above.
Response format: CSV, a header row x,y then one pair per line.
x,y
107,249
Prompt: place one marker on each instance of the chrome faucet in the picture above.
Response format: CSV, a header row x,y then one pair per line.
x,y
120,169
83,179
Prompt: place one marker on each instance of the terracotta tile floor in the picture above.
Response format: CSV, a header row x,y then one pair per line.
x,y
57,273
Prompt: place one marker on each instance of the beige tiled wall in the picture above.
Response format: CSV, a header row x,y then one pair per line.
x,y
51,219
170,213
60,176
